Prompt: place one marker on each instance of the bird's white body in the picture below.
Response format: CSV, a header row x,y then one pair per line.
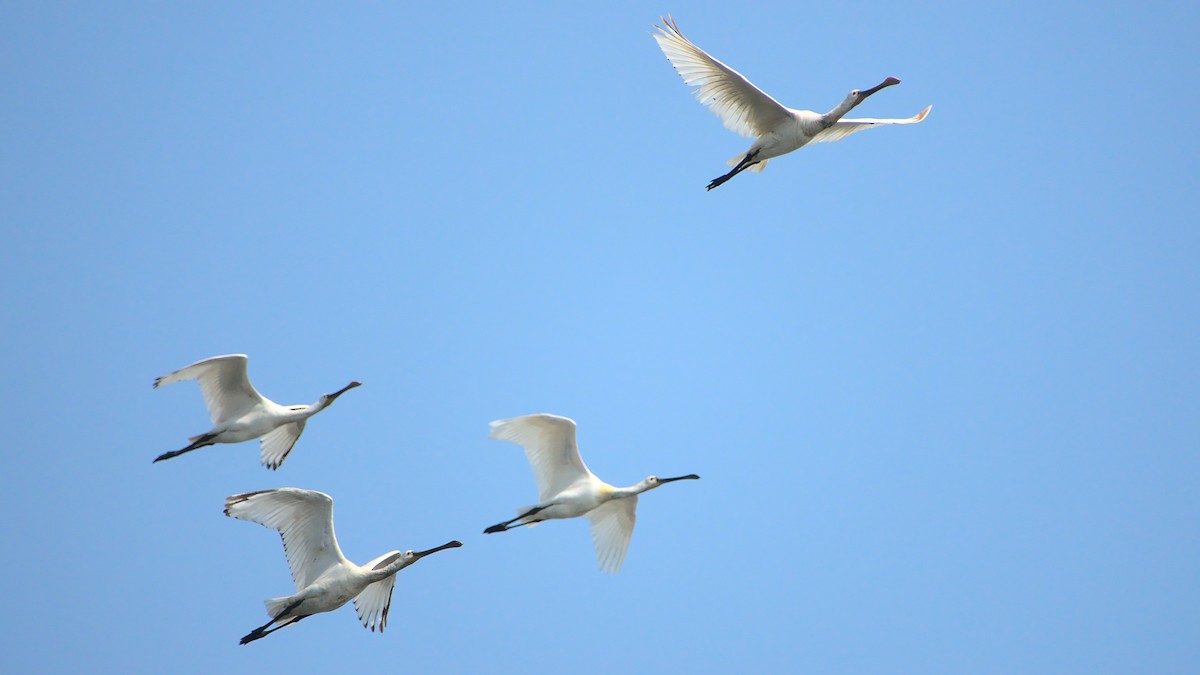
x,y
335,587
567,489
792,133
578,500
325,580
746,110
239,413
260,421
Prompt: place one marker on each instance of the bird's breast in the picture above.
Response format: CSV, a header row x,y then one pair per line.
x,y
334,590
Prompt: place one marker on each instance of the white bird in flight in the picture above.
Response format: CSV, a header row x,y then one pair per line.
x,y
567,488
239,413
747,110
325,580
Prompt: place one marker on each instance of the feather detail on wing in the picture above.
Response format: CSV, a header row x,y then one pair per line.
x,y
224,384
373,603
549,443
844,127
304,519
277,443
612,528
743,108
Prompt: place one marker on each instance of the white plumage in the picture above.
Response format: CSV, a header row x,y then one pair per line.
x,y
567,489
325,580
239,413
747,110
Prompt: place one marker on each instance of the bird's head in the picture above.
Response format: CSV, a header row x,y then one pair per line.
x,y
410,556
861,94
330,398
652,482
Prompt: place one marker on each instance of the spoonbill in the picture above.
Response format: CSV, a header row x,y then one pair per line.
x,y
747,110
567,488
239,413
325,580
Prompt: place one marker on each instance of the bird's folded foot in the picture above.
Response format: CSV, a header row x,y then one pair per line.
x,y
251,637
201,441
720,180
747,162
495,528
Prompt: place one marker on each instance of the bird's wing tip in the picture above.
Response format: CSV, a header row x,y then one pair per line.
x,y
668,27
496,427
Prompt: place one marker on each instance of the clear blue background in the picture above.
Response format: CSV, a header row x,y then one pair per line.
x,y
941,381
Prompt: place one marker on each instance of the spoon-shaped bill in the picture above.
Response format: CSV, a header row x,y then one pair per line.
x,y
886,83
417,555
339,392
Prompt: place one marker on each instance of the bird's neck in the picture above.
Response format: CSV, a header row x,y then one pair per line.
x,y
631,491
294,414
388,570
830,118
381,573
298,413
314,408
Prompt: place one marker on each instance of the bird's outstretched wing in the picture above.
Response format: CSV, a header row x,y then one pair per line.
x,y
549,442
304,519
612,527
844,127
373,603
277,443
743,108
224,383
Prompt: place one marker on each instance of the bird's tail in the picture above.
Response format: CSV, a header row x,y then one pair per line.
x,y
276,605
757,167
527,509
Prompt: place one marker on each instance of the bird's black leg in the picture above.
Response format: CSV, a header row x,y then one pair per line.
x,y
501,527
746,163
498,528
200,442
262,631
260,635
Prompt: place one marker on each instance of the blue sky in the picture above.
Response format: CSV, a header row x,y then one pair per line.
x,y
940,381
